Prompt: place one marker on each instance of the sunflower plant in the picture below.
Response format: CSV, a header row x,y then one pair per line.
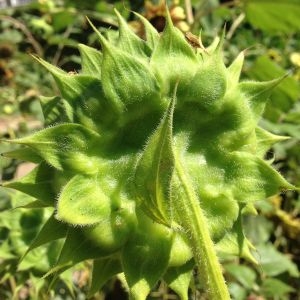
x,y
149,158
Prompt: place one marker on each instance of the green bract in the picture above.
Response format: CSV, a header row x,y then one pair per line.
x,y
150,157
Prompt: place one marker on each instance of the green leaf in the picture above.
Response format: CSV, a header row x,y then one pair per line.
x,y
292,130
235,243
275,288
35,260
145,256
274,263
37,184
83,202
64,146
286,92
278,16
91,60
6,252
58,39
178,279
237,292
258,94
35,204
63,18
258,228
103,270
51,231
68,279
243,274
154,170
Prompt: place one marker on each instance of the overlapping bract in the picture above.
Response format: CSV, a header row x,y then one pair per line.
x,y
107,160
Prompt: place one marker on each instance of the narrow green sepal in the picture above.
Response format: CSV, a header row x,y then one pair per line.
x,y
103,270
219,48
235,69
178,279
258,93
154,170
51,231
24,154
83,202
91,60
213,46
128,41
173,59
152,36
107,50
37,184
133,74
265,140
64,146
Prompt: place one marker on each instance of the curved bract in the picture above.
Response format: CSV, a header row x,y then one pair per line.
x,y
151,156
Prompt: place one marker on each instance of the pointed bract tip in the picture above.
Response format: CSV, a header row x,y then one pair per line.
x,y
246,50
103,41
34,56
257,88
121,21
213,46
12,141
286,186
242,54
280,138
119,16
169,22
144,20
23,256
219,47
249,209
275,82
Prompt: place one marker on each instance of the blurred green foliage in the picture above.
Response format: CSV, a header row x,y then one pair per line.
x,y
268,30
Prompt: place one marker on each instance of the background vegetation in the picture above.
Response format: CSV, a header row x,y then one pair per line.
x,y
270,33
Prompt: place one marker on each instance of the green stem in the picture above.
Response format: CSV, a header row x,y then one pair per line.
x,y
195,223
